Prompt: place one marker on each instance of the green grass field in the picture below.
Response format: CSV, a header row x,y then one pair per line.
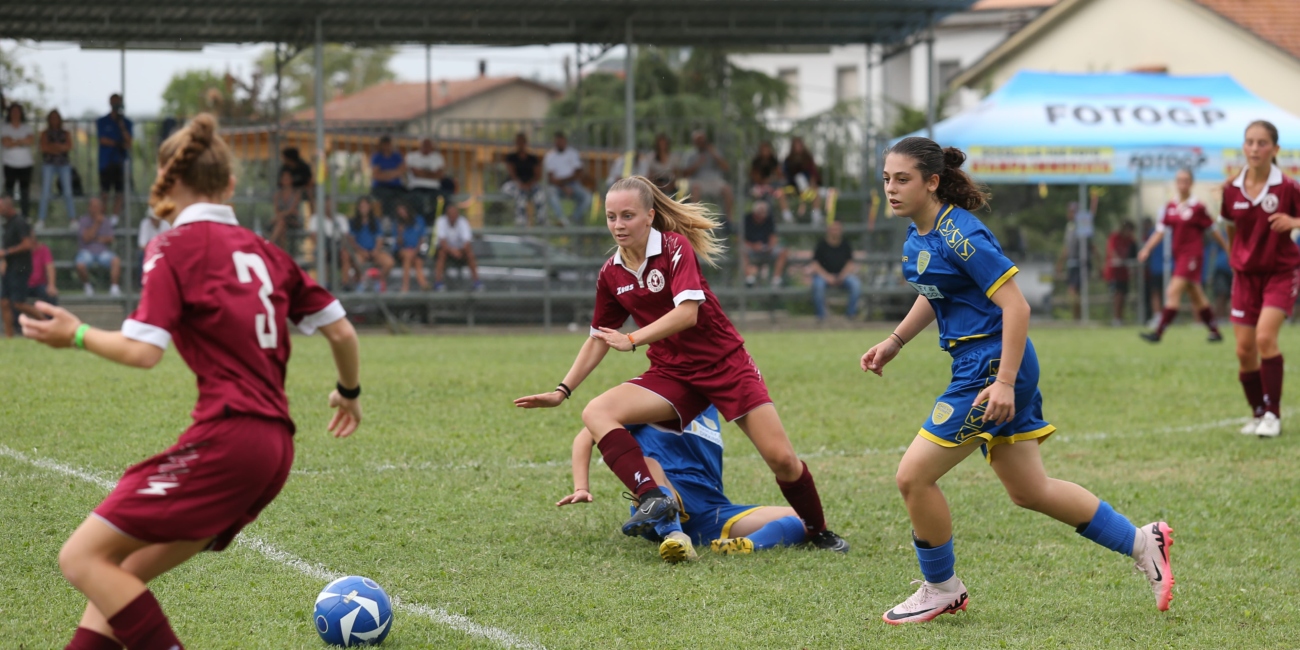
x,y
445,496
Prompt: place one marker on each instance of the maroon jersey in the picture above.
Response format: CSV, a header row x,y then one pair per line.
x,y
1255,247
223,295
669,276
1187,223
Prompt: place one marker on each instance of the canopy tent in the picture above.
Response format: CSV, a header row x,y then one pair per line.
x,y
1113,128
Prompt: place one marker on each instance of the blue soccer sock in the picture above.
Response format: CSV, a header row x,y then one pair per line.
x,y
936,563
782,532
1110,529
673,525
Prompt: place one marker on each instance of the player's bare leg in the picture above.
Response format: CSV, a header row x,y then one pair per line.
x,y
146,564
606,417
1204,310
1020,468
765,527
923,464
1248,372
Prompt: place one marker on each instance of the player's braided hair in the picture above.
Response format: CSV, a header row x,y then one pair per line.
x,y
955,186
694,221
1267,126
194,156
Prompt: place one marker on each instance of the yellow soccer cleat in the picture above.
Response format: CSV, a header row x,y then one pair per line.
x,y
733,546
677,547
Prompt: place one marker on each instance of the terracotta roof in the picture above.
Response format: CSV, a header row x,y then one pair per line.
x,y
996,5
1275,21
404,101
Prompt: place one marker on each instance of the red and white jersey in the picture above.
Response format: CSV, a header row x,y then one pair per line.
x,y
669,276
1186,222
223,294
1255,247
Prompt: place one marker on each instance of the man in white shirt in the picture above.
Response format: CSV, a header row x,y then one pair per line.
x,y
428,181
563,167
455,242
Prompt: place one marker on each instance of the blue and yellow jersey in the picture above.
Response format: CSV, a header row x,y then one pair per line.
x,y
695,454
957,267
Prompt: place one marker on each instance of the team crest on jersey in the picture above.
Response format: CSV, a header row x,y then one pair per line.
x,y
922,261
1269,203
1185,213
942,411
655,281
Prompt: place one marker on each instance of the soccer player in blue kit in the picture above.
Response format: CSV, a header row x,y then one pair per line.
x,y
689,463
968,285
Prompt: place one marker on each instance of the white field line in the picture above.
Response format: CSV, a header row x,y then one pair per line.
x,y
309,569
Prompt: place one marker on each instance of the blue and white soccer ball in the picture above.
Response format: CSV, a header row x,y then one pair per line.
x,y
353,611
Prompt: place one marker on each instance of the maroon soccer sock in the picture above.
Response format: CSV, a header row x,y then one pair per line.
x,y
1166,317
142,625
1270,373
803,497
87,639
624,457
1253,385
1207,317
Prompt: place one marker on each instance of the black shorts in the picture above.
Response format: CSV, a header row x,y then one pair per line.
x,y
1119,286
112,178
1221,282
15,285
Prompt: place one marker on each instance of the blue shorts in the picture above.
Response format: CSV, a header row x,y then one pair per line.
x,y
707,513
87,258
954,422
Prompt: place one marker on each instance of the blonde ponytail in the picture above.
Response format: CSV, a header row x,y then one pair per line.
x,y
694,221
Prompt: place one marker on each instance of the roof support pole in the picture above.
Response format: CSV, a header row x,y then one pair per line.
x,y
129,265
428,90
929,83
274,153
868,142
629,97
322,169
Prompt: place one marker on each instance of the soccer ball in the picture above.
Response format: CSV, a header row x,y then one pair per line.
x,y
353,611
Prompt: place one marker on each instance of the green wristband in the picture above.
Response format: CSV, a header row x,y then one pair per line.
x,y
79,339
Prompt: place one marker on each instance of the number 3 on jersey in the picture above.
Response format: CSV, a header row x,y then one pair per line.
x,y
265,323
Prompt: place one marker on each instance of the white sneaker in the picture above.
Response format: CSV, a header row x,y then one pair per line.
x,y
677,547
1269,426
1151,554
115,290
90,290
1250,427
927,604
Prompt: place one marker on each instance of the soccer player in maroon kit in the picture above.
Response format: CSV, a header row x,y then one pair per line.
x,y
223,295
696,356
1187,220
1261,205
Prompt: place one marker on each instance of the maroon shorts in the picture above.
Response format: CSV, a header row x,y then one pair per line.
x,y
734,385
1252,292
1188,267
211,483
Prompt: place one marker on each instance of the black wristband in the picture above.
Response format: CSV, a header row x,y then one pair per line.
x,y
348,393
568,392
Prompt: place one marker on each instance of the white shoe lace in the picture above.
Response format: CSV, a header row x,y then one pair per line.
x,y
915,600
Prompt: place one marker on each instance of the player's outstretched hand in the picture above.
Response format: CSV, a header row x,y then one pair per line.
x,y
614,339
578,496
56,331
879,355
1001,403
348,416
542,401
1282,222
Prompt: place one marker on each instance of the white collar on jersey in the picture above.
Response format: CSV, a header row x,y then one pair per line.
x,y
654,246
213,212
1274,178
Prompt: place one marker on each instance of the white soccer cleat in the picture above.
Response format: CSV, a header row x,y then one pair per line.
x,y
1269,426
1250,427
927,604
1151,553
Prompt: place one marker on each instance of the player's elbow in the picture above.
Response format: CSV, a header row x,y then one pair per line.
x,y
340,332
690,311
143,356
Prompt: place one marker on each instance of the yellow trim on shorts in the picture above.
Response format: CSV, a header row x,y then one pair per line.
x,y
1002,280
989,439
726,528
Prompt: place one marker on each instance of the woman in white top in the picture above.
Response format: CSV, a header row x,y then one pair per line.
x,y
17,138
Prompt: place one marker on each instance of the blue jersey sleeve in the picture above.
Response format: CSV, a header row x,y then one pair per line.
x,y
977,253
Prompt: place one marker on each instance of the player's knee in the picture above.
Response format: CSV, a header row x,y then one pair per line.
x,y
72,564
909,482
1266,344
1027,497
786,465
1247,352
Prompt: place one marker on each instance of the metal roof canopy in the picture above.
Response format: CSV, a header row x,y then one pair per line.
x,y
733,23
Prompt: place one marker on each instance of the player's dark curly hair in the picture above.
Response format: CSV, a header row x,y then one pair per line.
x,y
194,156
955,186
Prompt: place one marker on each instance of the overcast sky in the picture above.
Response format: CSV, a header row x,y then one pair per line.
x,y
79,81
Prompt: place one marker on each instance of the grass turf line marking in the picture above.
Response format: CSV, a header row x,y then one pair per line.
x,y
309,569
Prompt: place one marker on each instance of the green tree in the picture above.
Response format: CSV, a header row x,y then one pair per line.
x,y
347,70
194,91
19,81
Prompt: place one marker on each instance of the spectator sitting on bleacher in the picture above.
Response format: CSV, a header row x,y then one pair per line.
x,y
115,139
95,240
802,178
16,244
563,167
41,285
766,181
428,181
411,231
291,161
660,166
368,234
286,224
707,170
523,185
387,171
455,242
761,245
338,245
832,266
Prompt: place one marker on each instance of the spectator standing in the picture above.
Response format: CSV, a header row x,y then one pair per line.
x,y
803,179
522,166
762,246
16,244
1155,275
114,131
1219,270
707,170
1121,249
291,161
286,224
18,138
563,167
766,181
428,182
337,242
411,230
41,285
387,170
833,266
455,243
56,146
95,237
1077,254
660,166
368,233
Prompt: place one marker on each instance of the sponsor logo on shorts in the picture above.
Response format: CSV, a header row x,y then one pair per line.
x,y
1269,203
167,476
655,281
1237,313
942,411
922,262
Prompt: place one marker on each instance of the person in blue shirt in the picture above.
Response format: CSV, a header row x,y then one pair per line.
x,y
411,234
387,171
368,233
114,132
967,285
689,464
1155,275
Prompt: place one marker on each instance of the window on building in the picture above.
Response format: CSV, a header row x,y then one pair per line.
x,y
790,76
948,70
847,86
